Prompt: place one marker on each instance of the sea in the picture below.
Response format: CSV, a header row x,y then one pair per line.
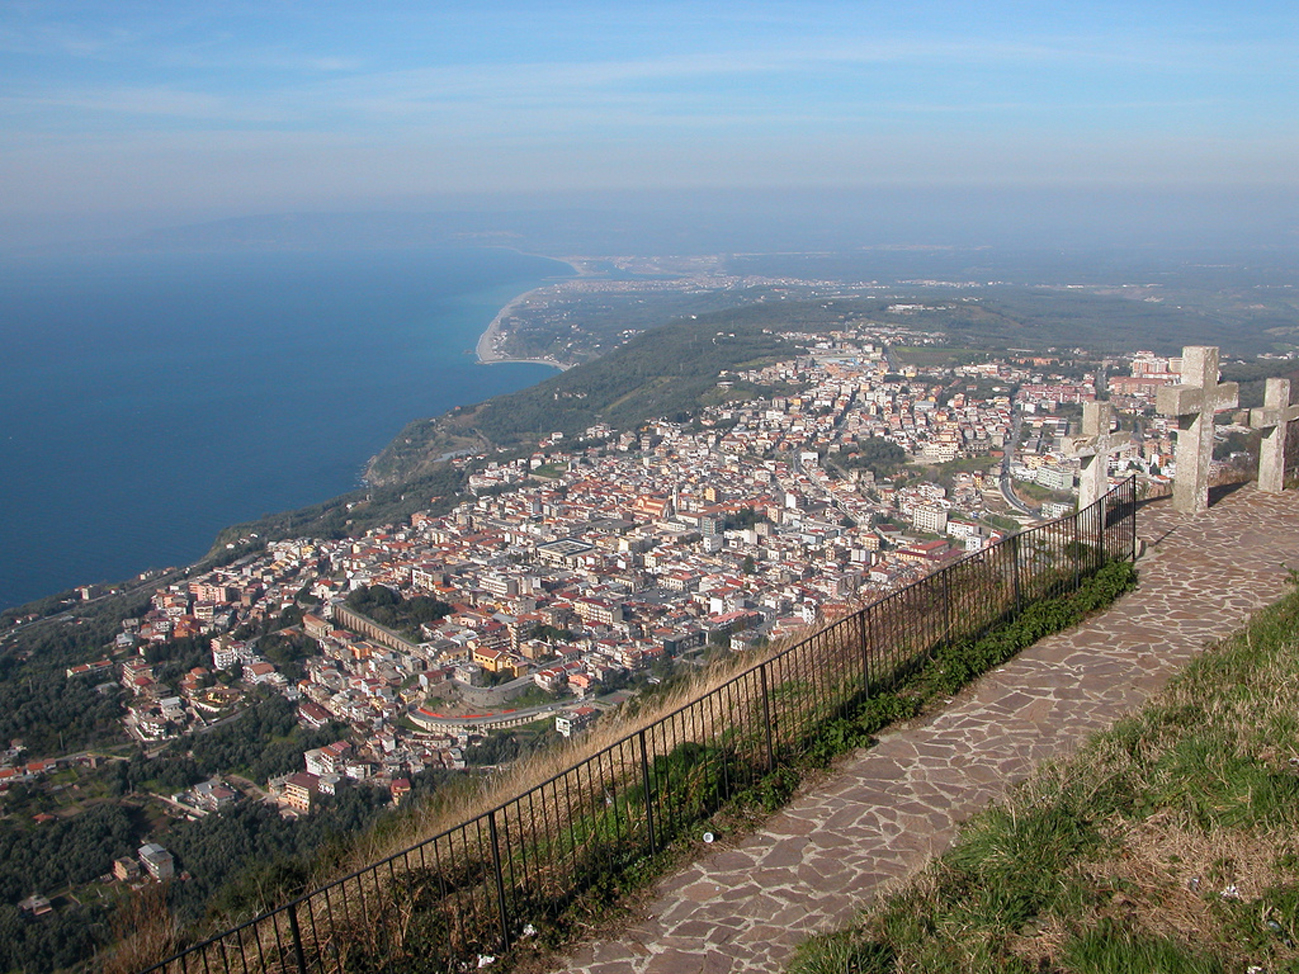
x,y
149,400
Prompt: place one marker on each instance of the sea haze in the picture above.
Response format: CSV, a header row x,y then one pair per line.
x,y
151,400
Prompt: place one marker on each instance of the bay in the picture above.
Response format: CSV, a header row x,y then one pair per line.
x,y
148,401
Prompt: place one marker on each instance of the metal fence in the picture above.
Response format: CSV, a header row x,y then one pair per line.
x,y
514,870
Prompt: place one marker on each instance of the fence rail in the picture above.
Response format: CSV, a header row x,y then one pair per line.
x,y
476,888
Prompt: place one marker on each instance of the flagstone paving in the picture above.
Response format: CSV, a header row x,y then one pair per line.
x,y
884,811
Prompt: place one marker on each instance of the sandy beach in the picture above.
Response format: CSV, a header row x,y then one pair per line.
x,y
489,342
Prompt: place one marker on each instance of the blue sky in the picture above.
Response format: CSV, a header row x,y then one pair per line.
x,y
219,108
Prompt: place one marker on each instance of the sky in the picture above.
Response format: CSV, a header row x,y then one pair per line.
x,y
176,110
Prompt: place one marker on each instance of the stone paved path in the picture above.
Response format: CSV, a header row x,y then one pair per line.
x,y
886,810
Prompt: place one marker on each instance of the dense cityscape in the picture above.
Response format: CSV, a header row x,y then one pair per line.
x,y
573,578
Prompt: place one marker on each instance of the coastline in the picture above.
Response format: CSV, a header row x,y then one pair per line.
x,y
486,349
172,515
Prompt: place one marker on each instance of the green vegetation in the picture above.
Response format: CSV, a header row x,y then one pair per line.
x,y
1167,844
655,374
1253,378
945,473
392,611
1187,304
880,456
428,486
743,519
261,742
607,316
50,859
43,608
52,714
938,356
264,741
287,650
1001,523
1039,494
245,858
504,746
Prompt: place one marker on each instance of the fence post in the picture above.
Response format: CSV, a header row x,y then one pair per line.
x,y
649,799
766,717
867,631
500,880
1014,554
947,606
297,938
1102,507
1077,553
1131,502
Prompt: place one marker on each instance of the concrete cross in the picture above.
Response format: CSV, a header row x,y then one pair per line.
x,y
1093,450
1193,404
1273,419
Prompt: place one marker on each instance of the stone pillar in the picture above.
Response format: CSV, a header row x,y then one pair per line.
x,y
1192,404
1274,420
1093,450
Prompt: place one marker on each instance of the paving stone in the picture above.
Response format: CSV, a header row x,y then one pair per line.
x,y
884,811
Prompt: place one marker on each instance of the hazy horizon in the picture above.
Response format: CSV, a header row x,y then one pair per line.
x,y
956,123
1209,221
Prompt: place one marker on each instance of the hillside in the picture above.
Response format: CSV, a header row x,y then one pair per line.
x,y
667,371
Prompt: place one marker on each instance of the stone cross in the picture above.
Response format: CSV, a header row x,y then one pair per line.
x,y
1192,404
1273,419
1093,450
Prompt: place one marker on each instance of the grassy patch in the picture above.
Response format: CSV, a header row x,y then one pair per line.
x,y
1037,493
932,356
1169,843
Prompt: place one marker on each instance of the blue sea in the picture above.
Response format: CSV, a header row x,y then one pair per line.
x,y
148,401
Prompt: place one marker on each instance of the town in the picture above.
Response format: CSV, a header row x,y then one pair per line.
x,y
574,577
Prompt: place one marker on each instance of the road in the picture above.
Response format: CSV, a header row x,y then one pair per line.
x,y
1004,481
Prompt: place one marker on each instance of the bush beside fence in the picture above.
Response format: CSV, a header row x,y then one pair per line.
x,y
515,870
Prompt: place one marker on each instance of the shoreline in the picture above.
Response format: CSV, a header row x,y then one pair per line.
x,y
487,341
58,560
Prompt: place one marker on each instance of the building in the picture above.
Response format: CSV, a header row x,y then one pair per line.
x,y
312,714
571,721
930,518
1055,477
36,905
157,861
298,790
399,789
316,627
495,661
227,651
213,795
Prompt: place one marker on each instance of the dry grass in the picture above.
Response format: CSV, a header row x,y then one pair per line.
x,y
1175,836
143,932
528,773
1161,877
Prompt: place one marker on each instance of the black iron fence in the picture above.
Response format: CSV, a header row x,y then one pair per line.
x,y
513,871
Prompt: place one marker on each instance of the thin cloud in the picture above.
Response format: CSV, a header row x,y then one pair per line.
x,y
145,101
